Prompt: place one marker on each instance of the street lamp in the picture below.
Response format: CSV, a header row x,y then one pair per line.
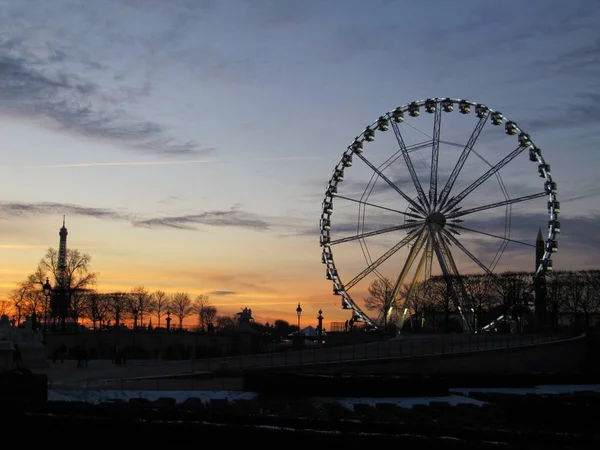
x,y
299,312
135,316
168,320
47,291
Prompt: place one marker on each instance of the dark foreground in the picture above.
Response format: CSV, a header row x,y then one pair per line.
x,y
505,421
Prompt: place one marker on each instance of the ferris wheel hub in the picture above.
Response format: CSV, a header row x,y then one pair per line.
x,y
436,218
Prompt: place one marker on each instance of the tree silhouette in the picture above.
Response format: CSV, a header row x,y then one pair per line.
x,y
181,304
206,312
77,278
141,301
380,298
160,301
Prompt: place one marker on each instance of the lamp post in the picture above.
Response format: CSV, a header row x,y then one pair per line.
x,y
299,312
168,320
47,291
135,316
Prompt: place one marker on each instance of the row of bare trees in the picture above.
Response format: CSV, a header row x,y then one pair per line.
x,y
574,294
85,303
139,306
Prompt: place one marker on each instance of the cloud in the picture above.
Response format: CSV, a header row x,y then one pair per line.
x,y
222,293
43,208
232,218
44,87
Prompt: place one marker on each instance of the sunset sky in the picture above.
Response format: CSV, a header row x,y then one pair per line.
x,y
189,142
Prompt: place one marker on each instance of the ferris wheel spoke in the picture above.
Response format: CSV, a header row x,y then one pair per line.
x,y
374,233
493,170
435,150
460,227
462,159
468,253
375,264
414,216
409,164
391,184
511,201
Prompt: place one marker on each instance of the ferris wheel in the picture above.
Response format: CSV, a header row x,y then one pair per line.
x,y
409,201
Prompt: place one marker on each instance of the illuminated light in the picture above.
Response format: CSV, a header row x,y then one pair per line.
x,y
510,128
398,115
464,107
534,153
382,124
481,111
369,134
357,146
430,106
550,187
524,140
497,118
551,246
554,205
448,105
413,110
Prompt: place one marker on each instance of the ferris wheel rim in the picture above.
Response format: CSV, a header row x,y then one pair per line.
x,y
332,273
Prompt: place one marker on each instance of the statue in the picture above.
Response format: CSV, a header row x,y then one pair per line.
x,y
4,328
24,340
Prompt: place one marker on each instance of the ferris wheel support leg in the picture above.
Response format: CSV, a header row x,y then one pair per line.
x,y
412,255
450,273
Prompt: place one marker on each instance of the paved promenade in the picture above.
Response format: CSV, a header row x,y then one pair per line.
x,y
155,374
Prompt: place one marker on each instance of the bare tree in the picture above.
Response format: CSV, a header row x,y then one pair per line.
x,y
119,302
226,322
160,301
380,298
206,312
17,296
77,277
97,308
182,306
78,304
5,307
556,294
479,287
140,303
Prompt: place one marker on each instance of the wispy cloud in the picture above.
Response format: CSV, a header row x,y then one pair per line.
x,y
222,293
169,163
231,218
44,208
234,217
40,83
